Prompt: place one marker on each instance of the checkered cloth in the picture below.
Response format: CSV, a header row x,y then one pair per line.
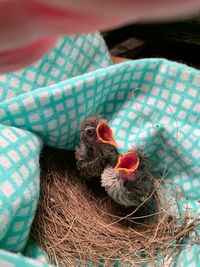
x,y
143,100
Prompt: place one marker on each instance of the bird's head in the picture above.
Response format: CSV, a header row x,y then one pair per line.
x,y
100,133
127,166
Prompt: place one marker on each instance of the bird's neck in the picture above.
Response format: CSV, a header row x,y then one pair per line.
x,y
93,149
127,176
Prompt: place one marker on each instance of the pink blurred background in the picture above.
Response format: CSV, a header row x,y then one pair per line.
x,y
29,28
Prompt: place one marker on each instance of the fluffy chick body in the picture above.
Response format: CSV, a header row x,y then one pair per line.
x,y
129,192
92,156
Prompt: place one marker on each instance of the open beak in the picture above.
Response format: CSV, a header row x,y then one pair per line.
x,y
128,163
105,134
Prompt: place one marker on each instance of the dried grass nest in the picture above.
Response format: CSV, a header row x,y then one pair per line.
x,y
77,223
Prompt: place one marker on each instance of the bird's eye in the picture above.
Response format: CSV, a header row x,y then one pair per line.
x,y
90,131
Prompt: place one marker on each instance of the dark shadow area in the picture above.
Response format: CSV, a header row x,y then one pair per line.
x,y
178,41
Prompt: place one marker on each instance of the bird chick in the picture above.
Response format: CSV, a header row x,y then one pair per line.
x,y
129,183
97,148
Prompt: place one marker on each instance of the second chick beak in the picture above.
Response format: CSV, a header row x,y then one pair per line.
x,y
105,134
128,162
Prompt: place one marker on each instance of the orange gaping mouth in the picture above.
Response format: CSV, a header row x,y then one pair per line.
x,y
129,162
105,134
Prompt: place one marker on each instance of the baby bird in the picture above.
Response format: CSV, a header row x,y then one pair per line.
x,y
129,183
97,148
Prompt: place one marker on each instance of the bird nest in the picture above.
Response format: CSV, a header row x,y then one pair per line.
x,y
76,223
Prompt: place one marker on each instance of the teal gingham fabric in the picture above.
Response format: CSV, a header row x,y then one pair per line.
x,y
8,259
19,185
144,102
